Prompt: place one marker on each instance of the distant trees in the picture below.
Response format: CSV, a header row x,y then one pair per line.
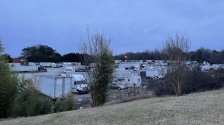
x,y
146,55
75,57
41,53
8,58
97,46
200,55
71,57
211,56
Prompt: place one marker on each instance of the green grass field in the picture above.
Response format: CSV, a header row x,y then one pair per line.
x,y
205,108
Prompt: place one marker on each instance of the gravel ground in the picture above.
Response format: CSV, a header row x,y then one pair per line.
x,y
205,108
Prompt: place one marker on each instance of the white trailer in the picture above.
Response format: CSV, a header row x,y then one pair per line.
x,y
48,64
17,67
126,82
124,79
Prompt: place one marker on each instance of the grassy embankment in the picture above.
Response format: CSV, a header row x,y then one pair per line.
x,y
198,108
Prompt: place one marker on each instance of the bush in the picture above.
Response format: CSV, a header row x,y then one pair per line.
x,y
220,75
64,104
44,105
160,87
29,101
8,89
194,80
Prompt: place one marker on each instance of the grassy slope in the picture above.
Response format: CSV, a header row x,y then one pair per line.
x,y
198,108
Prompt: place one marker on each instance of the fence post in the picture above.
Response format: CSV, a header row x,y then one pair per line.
x,y
63,86
71,84
35,79
55,85
134,89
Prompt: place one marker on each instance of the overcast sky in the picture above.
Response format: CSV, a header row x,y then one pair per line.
x,y
131,25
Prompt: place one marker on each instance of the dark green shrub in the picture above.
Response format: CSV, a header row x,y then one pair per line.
x,y
102,76
97,47
8,90
220,75
8,86
44,105
64,104
29,101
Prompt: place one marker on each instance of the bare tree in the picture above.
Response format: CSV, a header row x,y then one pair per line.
x,y
176,49
97,52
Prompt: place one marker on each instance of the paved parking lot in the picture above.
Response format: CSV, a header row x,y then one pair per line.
x,y
84,100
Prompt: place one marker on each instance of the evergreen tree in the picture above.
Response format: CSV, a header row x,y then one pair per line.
x,y
97,47
8,86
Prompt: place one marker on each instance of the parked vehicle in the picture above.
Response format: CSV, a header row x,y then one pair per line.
x,y
80,84
118,85
48,64
126,82
17,67
42,69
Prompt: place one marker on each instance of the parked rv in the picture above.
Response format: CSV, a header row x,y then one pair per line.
x,y
127,82
80,84
17,67
117,85
48,64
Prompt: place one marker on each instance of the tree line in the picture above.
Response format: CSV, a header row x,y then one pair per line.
x,y
44,53
199,55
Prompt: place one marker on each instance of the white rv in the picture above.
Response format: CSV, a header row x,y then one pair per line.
x,y
17,67
79,84
48,64
126,82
